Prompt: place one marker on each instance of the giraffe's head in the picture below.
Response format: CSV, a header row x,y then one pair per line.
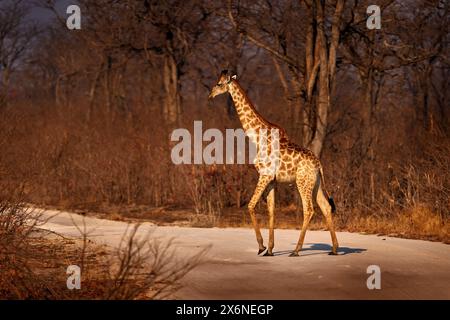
x,y
222,84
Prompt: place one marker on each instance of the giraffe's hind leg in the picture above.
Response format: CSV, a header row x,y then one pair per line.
x,y
271,208
325,207
305,187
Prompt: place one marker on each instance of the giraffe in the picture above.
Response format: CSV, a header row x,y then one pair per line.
x,y
295,164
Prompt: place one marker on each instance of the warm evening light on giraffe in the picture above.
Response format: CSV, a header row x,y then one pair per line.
x,y
295,164
145,144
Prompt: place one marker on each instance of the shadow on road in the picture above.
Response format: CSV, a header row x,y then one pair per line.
x,y
322,247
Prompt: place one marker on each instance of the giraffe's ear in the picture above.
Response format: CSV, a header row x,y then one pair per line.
x,y
234,77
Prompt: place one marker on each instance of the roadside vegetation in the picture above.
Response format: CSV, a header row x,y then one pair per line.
x,y
86,115
34,262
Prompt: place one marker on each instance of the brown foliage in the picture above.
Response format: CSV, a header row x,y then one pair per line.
x,y
33,262
89,128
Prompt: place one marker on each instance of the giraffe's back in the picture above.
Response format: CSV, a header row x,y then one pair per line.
x,y
294,160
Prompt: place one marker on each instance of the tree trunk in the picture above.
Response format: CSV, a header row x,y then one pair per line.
x,y
311,64
426,113
107,84
320,62
172,101
92,93
323,100
5,86
334,43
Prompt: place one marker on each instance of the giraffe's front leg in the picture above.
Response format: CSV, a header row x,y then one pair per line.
x,y
263,182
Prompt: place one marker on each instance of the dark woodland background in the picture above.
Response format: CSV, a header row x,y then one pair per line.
x,y
86,115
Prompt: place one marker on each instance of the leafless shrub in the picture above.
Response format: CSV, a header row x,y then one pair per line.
x,y
144,267
18,279
140,268
89,129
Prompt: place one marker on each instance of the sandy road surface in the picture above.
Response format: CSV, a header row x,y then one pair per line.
x,y
410,269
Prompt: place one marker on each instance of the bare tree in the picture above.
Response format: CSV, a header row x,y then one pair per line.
x,y
15,37
421,45
313,71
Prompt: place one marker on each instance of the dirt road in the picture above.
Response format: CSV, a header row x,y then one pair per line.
x,y
410,269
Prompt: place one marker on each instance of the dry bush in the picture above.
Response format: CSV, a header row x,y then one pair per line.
x,y
416,222
140,267
33,265
88,125
112,165
144,267
19,250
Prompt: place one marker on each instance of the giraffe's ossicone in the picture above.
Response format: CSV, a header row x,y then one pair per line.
x,y
289,163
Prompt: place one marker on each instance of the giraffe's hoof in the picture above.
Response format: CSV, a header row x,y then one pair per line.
x,y
332,253
261,250
294,254
268,254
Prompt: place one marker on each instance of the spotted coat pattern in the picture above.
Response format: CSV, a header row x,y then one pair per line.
x,y
296,164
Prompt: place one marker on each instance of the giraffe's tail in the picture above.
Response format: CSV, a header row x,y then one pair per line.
x,y
330,199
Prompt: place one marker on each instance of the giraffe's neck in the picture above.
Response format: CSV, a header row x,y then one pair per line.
x,y
249,117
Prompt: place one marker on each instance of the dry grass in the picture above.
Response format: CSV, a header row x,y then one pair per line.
x,y
418,222
120,167
415,223
33,262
